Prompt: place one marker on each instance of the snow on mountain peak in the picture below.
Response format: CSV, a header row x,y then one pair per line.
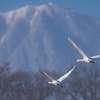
x,y
36,36
50,3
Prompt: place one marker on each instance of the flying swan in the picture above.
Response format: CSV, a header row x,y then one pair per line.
x,y
58,81
85,58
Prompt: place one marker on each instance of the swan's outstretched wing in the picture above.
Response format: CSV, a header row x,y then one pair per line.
x,y
66,75
76,48
97,56
45,74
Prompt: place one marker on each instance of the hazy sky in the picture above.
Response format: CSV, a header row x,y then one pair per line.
x,y
87,7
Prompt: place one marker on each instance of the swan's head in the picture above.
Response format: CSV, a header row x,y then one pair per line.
x,y
79,60
49,82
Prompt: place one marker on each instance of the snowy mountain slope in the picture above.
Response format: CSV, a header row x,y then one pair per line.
x,y
36,36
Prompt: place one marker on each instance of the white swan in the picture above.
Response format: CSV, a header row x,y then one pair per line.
x,y
58,81
85,58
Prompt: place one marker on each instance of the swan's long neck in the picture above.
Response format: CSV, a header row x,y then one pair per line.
x,y
80,60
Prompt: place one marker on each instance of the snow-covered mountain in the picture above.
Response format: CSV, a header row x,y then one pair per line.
x,y
37,36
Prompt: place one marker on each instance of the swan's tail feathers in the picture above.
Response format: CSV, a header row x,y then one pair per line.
x,y
45,74
66,75
76,48
97,56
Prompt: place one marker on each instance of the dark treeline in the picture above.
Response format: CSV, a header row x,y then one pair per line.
x,y
82,84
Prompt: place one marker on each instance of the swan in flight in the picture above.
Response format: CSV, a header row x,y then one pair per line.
x,y
58,81
85,58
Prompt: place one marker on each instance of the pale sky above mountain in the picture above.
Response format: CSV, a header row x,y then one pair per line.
x,y
87,7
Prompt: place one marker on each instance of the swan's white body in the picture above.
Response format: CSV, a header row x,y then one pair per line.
x,y
85,58
58,81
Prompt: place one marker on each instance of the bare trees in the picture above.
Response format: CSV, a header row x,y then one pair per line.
x,y
82,84
22,85
15,86
4,84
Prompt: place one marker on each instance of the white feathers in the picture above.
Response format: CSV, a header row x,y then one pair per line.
x,y
58,81
76,48
45,74
98,56
66,75
85,58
